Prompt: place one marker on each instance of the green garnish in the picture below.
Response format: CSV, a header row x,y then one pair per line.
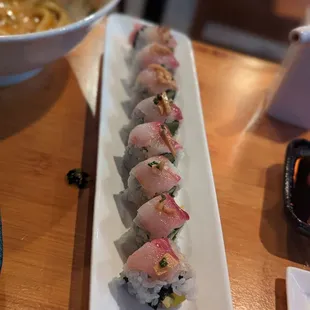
x,y
163,263
78,177
174,233
163,198
170,94
171,192
157,99
164,66
153,163
173,126
169,156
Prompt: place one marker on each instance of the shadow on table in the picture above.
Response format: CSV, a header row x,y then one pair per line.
x,y
251,117
80,275
24,103
276,234
271,128
280,294
275,130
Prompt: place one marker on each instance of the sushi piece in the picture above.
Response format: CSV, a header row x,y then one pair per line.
x,y
151,81
159,108
155,54
160,217
158,274
143,35
151,139
150,178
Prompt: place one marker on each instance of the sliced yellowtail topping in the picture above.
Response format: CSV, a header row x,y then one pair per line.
x,y
162,208
163,103
173,300
165,264
167,140
163,76
163,29
164,33
160,50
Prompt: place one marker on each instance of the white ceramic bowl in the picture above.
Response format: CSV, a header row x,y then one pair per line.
x,y
22,56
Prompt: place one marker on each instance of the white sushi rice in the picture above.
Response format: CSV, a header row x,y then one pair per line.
x,y
134,155
137,118
141,42
136,69
139,92
147,290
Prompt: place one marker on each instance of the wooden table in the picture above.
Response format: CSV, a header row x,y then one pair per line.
x,y
48,125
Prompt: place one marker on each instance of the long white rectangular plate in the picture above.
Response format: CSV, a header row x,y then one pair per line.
x,y
201,239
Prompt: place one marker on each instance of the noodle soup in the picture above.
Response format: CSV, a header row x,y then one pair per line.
x,y
27,16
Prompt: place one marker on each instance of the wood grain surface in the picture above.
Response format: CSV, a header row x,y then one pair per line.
x,y
48,125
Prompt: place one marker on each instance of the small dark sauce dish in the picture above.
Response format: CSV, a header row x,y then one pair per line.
x,y
78,178
296,186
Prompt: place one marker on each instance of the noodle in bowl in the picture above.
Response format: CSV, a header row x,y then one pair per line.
x,y
26,16
43,31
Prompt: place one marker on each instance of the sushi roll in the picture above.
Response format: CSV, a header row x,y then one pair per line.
x,y
159,108
143,35
158,274
151,139
151,81
155,54
160,217
150,178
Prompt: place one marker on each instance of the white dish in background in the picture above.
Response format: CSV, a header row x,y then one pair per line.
x,y
23,56
297,289
201,239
